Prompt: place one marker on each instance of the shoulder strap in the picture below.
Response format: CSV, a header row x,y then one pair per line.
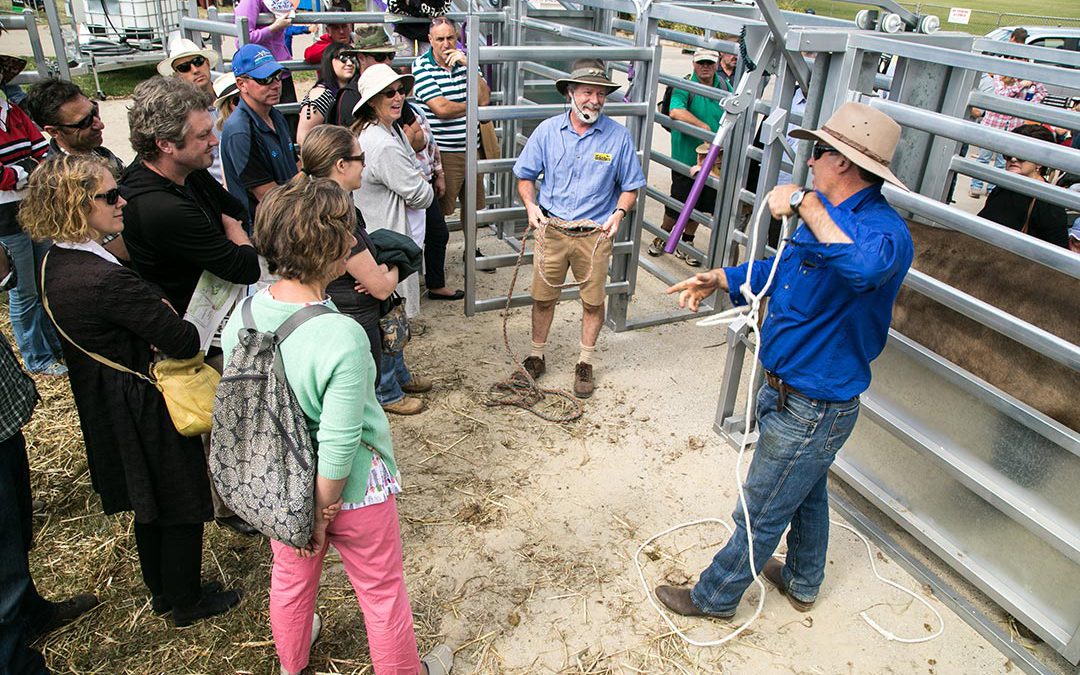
x,y
1027,219
299,317
97,357
286,329
245,314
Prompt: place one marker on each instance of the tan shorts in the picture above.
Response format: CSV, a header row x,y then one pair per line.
x,y
454,167
561,253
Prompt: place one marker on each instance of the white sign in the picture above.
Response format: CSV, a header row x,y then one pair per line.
x,y
959,15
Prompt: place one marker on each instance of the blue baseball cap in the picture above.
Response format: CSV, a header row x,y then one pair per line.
x,y
255,61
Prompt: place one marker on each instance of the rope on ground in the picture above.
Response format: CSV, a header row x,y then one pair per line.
x,y
520,389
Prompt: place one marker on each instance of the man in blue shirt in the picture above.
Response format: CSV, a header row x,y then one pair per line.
x,y
829,313
256,148
591,173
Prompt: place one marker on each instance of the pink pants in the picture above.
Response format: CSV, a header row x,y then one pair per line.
x,y
369,542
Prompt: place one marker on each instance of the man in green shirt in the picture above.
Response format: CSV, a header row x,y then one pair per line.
x,y
704,113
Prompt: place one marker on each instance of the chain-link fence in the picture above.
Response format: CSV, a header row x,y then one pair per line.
x,y
983,21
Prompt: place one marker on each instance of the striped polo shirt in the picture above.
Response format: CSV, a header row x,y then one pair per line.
x,y
433,81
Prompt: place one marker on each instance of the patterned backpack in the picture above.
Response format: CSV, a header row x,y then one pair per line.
x,y
262,458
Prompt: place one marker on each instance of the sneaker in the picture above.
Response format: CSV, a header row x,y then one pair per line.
x,y
316,628
209,604
535,366
417,385
439,661
690,260
54,369
583,380
656,248
406,406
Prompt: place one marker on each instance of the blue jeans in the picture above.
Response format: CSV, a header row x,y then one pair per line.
x,y
984,158
34,333
787,484
394,374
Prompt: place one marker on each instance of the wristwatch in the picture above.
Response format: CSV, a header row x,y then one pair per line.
x,y
796,200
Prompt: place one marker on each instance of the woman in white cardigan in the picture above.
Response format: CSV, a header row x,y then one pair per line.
x,y
392,184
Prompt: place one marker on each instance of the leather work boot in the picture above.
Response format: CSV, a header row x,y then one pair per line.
x,y
535,365
406,406
583,381
417,385
771,572
678,600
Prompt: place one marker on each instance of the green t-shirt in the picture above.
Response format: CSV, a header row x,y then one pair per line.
x,y
684,146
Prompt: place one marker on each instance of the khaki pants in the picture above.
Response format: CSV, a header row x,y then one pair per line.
x,y
562,252
454,168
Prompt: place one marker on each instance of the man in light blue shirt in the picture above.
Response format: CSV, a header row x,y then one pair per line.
x,y
591,175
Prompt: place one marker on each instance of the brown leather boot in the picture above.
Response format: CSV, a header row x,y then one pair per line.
x,y
771,573
583,380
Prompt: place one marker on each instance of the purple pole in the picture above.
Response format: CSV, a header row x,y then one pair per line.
x,y
691,199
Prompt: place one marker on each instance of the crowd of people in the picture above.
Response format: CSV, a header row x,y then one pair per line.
x,y
111,267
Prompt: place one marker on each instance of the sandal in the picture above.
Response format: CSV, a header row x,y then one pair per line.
x,y
439,661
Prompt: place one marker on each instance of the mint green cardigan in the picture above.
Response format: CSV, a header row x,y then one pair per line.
x,y
329,366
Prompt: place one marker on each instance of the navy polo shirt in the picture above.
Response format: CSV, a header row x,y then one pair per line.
x,y
253,154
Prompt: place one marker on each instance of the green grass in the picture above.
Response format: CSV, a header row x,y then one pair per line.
x,y
986,14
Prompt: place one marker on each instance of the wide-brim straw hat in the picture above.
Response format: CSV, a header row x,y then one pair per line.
x,y
587,71
376,78
181,48
862,134
10,66
225,87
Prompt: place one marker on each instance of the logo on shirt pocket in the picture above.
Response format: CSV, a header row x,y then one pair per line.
x,y
601,157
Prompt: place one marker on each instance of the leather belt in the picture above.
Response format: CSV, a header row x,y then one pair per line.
x,y
782,388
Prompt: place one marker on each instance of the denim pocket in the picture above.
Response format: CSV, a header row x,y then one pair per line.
x,y
842,426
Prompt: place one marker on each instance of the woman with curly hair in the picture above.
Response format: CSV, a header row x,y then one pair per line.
x,y
137,460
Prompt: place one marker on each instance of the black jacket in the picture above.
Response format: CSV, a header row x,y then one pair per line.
x,y
174,232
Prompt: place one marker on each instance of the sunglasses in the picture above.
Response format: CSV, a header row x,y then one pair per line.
x,y
265,81
820,149
186,66
346,58
354,158
391,93
111,197
84,123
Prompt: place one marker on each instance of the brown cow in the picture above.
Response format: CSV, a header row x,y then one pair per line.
x,y
1034,293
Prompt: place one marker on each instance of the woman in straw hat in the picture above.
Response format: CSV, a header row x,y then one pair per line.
x,y
393,183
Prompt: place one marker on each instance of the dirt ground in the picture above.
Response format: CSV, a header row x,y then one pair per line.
x,y
519,534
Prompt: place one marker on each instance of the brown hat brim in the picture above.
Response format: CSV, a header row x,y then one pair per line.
x,y
854,155
560,85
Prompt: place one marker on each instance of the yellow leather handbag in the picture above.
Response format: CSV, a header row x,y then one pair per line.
x,y
187,385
